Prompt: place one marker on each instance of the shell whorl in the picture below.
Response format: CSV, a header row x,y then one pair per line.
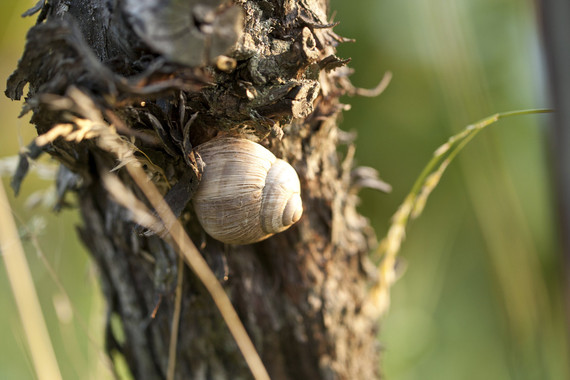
x,y
246,194
281,201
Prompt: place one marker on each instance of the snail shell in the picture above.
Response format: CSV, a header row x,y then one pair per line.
x,y
246,194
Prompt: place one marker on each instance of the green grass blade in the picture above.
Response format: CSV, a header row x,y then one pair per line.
x,y
415,201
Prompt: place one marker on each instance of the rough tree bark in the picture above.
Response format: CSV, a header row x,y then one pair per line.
x,y
168,75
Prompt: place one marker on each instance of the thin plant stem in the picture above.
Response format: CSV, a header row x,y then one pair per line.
x,y
55,278
414,203
21,281
175,321
199,266
94,127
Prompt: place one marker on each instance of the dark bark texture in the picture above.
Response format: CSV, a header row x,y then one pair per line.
x,y
171,74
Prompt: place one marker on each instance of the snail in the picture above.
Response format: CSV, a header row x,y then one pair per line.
x,y
246,194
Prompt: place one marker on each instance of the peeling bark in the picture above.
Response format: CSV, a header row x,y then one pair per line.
x,y
153,68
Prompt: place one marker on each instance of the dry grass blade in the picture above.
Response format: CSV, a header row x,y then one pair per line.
x,y
105,361
414,203
20,277
125,197
94,127
175,322
199,266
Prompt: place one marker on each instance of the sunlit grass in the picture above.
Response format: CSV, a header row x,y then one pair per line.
x,y
415,202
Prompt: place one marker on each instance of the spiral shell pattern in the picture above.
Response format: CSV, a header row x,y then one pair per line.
x,y
246,194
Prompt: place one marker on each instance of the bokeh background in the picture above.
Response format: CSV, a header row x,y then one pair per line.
x,y
482,293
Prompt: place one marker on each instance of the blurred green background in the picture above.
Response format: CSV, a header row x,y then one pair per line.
x,y
482,294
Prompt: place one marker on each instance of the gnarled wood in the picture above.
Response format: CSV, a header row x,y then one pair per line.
x,y
300,293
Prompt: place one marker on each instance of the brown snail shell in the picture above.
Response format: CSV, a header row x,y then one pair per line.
x,y
246,194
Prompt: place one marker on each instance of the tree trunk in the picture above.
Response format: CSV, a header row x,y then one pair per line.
x,y
169,75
